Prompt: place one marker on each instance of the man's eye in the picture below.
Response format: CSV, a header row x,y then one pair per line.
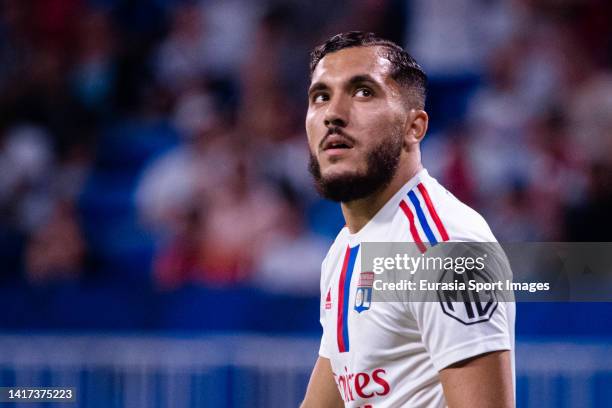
x,y
363,92
320,97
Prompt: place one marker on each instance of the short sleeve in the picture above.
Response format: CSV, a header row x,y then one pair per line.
x,y
323,348
449,339
323,351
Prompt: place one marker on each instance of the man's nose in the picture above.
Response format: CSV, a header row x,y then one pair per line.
x,y
337,113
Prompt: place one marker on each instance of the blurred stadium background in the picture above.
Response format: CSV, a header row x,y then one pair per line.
x,y
160,240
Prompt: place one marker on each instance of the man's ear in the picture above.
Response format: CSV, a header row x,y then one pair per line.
x,y
416,126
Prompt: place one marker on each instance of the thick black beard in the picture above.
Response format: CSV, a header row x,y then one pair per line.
x,y
382,161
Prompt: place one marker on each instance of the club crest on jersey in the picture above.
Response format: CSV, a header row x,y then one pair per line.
x,y
363,297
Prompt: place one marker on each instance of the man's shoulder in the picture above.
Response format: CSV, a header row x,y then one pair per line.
x,y
338,244
461,221
434,214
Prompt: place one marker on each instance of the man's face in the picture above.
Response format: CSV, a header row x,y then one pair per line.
x,y
355,123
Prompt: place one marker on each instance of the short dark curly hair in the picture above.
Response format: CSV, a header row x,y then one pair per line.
x,y
406,71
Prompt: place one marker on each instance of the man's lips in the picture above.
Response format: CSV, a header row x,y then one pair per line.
x,y
336,141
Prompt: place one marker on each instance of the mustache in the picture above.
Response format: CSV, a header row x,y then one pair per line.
x,y
337,130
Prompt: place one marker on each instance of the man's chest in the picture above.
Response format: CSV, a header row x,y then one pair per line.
x,y
357,324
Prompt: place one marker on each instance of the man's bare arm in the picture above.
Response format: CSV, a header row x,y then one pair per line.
x,y
484,381
322,391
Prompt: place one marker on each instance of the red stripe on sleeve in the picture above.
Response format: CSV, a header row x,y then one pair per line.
x,y
413,230
432,212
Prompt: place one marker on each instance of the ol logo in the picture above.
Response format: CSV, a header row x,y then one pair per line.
x,y
363,297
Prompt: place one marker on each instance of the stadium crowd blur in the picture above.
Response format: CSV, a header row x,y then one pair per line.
x,y
164,143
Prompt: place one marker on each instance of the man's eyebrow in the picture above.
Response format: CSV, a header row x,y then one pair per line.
x,y
358,79
317,86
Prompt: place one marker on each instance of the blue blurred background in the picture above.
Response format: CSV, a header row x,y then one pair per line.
x,y
160,238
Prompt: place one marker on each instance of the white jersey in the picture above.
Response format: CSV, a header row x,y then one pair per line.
x,y
389,354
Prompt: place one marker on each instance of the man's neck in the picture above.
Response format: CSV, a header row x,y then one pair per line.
x,y
358,213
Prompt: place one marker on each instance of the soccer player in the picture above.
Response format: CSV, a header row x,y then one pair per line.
x,y
365,122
